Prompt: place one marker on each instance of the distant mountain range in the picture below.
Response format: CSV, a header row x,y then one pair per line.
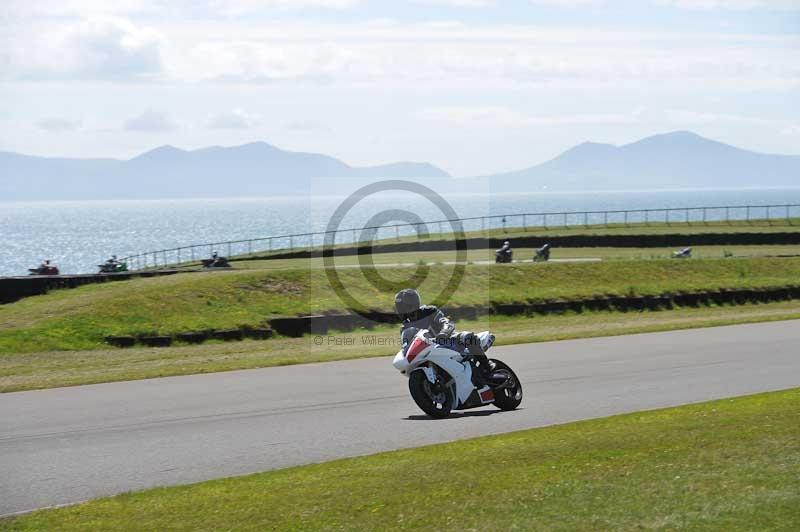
x,y
679,159
252,169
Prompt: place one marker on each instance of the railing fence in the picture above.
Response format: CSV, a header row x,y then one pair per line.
x,y
525,221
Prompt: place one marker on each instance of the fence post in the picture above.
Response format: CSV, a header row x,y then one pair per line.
x,y
586,219
626,218
704,215
768,218
788,218
727,215
748,213
524,222
397,232
605,218
687,217
565,220
249,247
179,255
646,217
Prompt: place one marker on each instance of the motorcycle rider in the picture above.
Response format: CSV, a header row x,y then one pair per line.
x,y
416,316
505,251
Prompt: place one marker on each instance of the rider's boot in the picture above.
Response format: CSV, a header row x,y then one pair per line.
x,y
485,366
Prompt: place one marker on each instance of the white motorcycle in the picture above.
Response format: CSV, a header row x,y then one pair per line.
x,y
442,379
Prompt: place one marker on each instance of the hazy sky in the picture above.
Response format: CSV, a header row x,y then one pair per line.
x,y
474,86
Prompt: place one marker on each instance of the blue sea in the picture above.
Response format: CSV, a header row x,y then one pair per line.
x,y
78,236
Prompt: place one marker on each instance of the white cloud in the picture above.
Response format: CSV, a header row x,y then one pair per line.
x,y
307,127
236,119
506,116
77,8
567,3
457,3
101,48
436,55
778,5
161,8
58,125
150,120
792,130
235,8
460,56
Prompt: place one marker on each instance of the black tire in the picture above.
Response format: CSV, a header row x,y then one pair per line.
x,y
435,403
508,398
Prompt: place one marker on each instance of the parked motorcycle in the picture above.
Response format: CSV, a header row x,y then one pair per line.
x,y
542,254
442,379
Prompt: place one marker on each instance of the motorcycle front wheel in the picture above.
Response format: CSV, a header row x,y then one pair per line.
x,y
436,400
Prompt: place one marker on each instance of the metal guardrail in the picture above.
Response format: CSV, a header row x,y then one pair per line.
x,y
546,220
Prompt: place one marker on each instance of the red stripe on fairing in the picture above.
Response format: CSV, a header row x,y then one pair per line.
x,y
416,347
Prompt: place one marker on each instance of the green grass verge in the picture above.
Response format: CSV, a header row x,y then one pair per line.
x,y
726,465
78,319
27,371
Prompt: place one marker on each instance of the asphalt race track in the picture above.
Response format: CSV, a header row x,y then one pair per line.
x,y
71,444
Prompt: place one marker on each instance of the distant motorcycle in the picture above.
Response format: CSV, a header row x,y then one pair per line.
x,y
216,261
542,254
505,254
113,267
44,269
441,379
685,253
503,257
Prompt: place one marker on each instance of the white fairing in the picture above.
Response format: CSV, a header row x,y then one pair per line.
x,y
446,359
450,361
400,363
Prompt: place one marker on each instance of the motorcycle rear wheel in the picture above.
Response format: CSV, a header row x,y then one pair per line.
x,y
435,401
508,398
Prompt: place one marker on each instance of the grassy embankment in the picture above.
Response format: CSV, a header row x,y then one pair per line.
x,y
724,465
79,318
56,339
